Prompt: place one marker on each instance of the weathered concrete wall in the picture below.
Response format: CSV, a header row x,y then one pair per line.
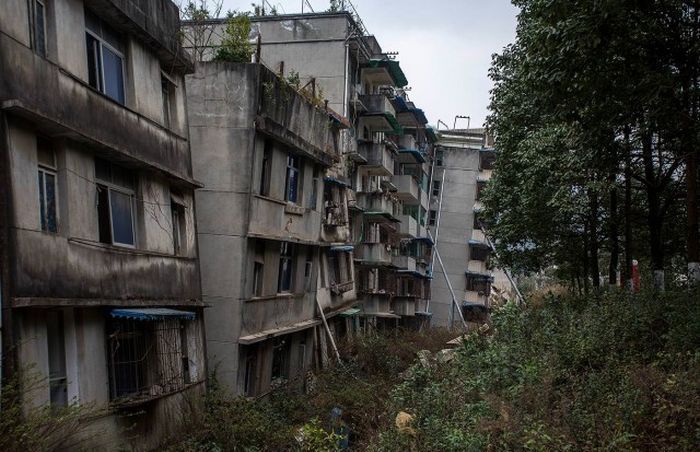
x,y
87,268
461,168
88,380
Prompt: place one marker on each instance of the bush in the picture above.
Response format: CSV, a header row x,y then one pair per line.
x,y
612,372
235,47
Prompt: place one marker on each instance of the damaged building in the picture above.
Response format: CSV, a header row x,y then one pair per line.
x,y
273,225
385,156
99,277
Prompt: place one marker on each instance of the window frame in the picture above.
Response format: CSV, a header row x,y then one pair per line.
x,y
99,58
44,45
42,170
287,254
296,170
168,90
130,192
179,224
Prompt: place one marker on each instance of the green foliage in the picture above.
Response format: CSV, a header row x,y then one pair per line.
x,y
608,373
314,438
360,388
235,47
334,6
38,428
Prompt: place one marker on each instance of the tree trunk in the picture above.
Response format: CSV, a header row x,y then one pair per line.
x,y
586,266
655,215
613,232
629,252
595,266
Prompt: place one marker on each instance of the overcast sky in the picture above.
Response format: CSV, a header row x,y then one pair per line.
x,y
444,46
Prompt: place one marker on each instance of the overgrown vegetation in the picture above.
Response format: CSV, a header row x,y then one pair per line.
x,y
235,46
40,428
360,387
613,372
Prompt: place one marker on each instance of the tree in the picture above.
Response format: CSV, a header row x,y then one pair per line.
x,y
586,106
235,46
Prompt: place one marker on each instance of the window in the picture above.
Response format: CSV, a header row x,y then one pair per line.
x,y
309,270
479,189
177,210
479,283
280,359
251,365
115,204
293,182
58,381
439,157
285,280
147,357
40,27
266,169
105,58
47,185
487,159
436,187
432,217
313,199
258,268
168,90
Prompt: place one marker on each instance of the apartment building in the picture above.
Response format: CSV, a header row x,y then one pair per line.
x,y
277,268
463,162
99,277
385,154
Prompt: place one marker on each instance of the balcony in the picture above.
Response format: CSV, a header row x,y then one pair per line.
x,y
378,205
405,263
379,158
377,104
407,189
275,219
408,227
380,115
404,305
377,254
85,272
378,304
479,251
67,106
279,314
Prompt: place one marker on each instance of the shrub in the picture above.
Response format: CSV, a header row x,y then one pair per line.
x,y
235,47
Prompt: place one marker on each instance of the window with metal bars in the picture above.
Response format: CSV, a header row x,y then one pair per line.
x,y
147,358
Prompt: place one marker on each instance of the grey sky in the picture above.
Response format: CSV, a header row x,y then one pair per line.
x,y
444,46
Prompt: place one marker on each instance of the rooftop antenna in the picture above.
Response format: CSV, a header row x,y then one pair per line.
x,y
306,2
468,118
440,121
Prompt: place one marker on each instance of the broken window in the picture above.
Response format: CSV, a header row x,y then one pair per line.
x,y
285,280
177,210
293,183
147,357
40,27
115,203
266,168
105,58
47,185
55,339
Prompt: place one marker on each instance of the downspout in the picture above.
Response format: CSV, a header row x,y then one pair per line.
x,y
346,79
7,357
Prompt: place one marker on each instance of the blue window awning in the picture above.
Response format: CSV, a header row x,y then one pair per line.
x,y
151,314
427,240
342,248
336,181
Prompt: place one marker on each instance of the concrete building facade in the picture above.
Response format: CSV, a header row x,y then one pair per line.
x,y
99,277
277,269
462,167
384,155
